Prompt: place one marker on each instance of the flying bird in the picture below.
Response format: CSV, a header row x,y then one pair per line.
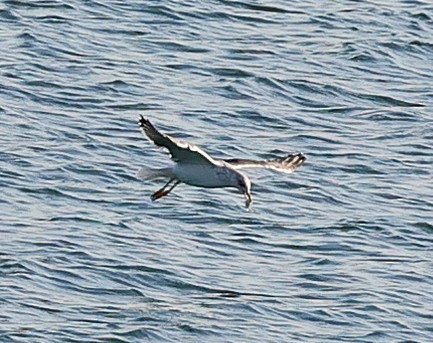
x,y
195,167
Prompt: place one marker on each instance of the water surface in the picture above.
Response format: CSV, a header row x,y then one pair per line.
x,y
341,250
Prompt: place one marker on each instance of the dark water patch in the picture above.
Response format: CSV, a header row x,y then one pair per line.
x,y
421,15
54,19
413,46
27,39
38,4
249,51
375,98
259,8
392,116
44,84
139,106
181,47
242,18
11,267
138,268
230,72
232,93
165,11
422,44
424,226
8,15
362,57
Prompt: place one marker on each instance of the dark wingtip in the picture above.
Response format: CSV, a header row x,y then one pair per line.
x,y
292,156
142,122
297,159
302,157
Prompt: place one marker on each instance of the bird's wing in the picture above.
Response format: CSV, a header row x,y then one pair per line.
x,y
286,164
180,151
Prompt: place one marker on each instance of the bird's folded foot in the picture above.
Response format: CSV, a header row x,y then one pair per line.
x,y
158,194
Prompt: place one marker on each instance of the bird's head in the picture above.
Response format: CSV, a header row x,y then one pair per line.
x,y
243,183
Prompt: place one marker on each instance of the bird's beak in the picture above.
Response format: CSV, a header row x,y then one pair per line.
x,y
248,199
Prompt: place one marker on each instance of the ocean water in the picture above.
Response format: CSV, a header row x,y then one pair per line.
x,y
339,251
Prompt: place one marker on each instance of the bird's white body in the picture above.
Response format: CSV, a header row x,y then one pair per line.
x,y
208,176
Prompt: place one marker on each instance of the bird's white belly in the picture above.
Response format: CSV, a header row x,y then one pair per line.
x,y
202,176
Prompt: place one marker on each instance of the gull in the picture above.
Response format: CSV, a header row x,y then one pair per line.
x,y
195,167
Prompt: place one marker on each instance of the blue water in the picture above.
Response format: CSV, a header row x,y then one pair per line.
x,y
339,251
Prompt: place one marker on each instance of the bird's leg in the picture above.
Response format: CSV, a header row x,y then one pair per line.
x,y
162,192
158,193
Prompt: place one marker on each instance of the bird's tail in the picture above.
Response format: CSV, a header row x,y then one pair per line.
x,y
147,173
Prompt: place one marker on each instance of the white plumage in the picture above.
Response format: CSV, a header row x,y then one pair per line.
x,y
195,167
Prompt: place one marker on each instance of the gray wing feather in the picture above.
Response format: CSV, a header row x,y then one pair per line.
x,y
286,164
179,150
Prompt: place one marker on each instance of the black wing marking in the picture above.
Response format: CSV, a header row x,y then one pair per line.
x,y
179,150
286,164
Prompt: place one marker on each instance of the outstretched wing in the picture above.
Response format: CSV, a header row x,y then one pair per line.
x,y
286,164
180,151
